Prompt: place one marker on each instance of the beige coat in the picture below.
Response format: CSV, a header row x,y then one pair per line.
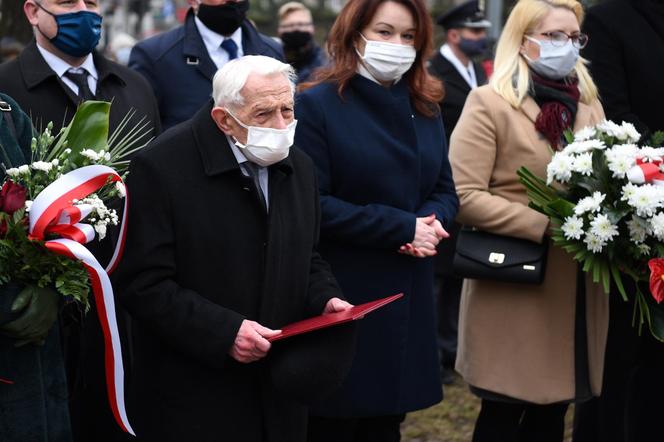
x,y
517,339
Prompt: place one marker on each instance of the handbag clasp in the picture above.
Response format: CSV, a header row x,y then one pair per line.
x,y
496,258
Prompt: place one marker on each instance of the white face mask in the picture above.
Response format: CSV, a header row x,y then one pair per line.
x,y
554,62
265,145
387,61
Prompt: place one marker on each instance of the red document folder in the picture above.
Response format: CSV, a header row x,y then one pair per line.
x,y
330,319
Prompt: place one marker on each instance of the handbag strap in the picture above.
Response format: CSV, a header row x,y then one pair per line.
x,y
6,110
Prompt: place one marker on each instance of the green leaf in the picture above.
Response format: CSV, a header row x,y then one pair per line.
x,y
606,276
562,207
617,278
87,130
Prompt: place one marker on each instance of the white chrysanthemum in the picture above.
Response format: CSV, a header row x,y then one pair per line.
x,y
630,131
28,205
594,243
67,151
24,169
573,227
628,191
620,150
583,164
55,162
643,249
589,203
602,227
560,168
90,154
611,129
585,134
657,225
42,165
122,190
638,229
584,146
619,165
13,172
645,199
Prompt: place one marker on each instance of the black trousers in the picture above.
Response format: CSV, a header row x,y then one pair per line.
x,y
519,422
367,429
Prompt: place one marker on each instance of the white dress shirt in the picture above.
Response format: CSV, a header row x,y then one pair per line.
x,y
213,41
262,171
467,72
60,67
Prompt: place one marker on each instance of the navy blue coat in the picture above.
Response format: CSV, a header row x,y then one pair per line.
x,y
380,165
180,70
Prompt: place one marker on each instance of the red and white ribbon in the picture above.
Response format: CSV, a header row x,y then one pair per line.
x,y
646,172
53,212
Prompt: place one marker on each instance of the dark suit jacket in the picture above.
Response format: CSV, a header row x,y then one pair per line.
x,y
44,97
380,165
626,53
456,89
180,70
202,255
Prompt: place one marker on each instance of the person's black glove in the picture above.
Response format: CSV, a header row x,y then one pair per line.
x,y
39,307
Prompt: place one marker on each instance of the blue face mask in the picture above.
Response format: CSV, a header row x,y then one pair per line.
x,y
473,48
78,32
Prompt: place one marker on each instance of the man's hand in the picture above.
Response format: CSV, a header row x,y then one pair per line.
x,y
336,305
250,344
39,307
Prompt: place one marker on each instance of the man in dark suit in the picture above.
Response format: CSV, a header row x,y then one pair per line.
x,y
625,49
221,252
45,77
52,75
465,39
180,64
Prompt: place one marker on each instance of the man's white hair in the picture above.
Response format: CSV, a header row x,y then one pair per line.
x,y
231,78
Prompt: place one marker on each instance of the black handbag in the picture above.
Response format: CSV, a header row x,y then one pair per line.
x,y
483,255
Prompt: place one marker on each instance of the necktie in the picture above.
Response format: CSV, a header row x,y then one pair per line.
x,y
230,46
80,79
252,169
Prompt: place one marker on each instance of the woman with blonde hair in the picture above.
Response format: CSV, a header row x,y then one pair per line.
x,y
527,350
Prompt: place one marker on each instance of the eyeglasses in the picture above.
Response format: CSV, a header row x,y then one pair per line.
x,y
559,38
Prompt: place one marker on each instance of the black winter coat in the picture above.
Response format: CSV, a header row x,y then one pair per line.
x,y
456,89
202,255
44,97
626,49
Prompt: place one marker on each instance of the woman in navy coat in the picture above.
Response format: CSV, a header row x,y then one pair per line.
x,y
372,125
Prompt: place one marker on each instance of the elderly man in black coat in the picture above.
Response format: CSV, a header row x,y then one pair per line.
x,y
221,252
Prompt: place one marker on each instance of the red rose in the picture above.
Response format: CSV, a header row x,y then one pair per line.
x,y
12,197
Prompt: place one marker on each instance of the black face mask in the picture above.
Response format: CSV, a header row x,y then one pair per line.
x,y
223,19
296,39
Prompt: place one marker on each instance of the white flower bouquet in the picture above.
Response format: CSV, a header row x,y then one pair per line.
x,y
604,195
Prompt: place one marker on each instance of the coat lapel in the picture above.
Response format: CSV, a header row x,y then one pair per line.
x,y
36,71
530,108
252,44
194,51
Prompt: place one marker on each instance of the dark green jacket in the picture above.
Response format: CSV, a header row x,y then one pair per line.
x,y
14,144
